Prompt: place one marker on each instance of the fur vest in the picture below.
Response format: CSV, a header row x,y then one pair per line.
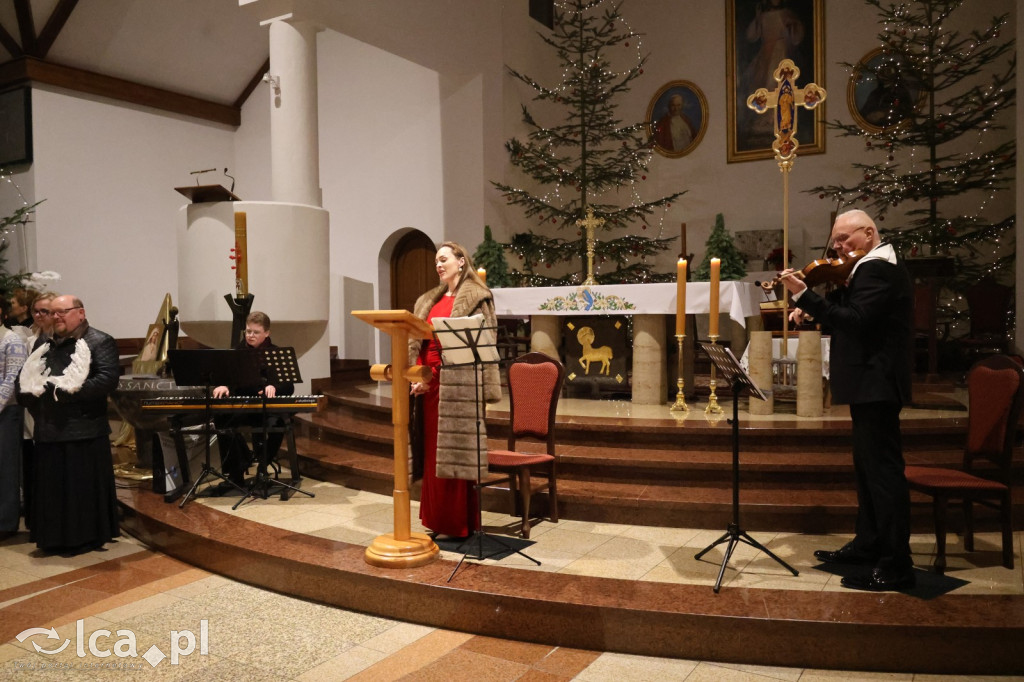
x,y
457,434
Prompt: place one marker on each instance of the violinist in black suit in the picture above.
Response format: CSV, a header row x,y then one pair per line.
x,y
235,451
870,321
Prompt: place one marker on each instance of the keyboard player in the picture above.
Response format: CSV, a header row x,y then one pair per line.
x,y
235,453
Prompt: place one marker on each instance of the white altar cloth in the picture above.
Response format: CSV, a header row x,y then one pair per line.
x,y
739,299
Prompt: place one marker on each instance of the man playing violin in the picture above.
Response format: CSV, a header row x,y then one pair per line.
x,y
870,322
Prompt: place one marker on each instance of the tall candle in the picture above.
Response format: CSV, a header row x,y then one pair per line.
x,y
483,275
681,297
716,267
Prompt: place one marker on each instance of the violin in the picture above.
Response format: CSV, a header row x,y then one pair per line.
x,y
822,271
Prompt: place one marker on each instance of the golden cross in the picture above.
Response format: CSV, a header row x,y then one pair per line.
x,y
589,223
785,99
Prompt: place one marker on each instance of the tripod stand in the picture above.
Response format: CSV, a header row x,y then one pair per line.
x,y
730,370
462,347
279,365
209,368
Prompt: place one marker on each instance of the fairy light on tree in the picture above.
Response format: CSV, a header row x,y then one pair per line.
x,y
589,159
938,153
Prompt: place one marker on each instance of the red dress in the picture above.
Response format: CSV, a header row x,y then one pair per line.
x,y
447,505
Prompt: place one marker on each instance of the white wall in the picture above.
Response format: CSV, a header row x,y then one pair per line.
x,y
108,173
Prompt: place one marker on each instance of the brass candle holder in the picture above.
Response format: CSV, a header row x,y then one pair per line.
x,y
713,406
680,404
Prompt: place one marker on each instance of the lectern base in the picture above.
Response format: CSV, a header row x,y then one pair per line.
x,y
387,552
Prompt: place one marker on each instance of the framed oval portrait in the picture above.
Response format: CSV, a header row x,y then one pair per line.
x,y
883,92
677,118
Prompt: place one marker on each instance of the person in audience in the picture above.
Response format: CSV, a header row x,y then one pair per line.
x,y
235,453
21,308
447,499
41,331
12,357
870,320
65,384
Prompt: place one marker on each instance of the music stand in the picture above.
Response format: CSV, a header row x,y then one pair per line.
x,y
208,368
463,344
278,366
729,369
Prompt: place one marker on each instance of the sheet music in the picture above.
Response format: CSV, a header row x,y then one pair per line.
x,y
454,332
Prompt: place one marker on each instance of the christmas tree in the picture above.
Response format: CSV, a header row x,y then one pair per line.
x,y
934,99
22,216
720,245
590,159
490,256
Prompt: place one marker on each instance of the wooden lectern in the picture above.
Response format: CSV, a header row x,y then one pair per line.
x,y
201,194
401,548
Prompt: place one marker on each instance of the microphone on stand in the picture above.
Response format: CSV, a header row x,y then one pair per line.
x,y
197,173
232,180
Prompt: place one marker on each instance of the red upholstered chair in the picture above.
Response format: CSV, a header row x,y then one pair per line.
x,y
534,384
995,388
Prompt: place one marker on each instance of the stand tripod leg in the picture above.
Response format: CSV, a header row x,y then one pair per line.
x,y
714,544
757,545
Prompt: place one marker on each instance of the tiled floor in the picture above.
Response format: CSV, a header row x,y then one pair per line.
x,y
253,634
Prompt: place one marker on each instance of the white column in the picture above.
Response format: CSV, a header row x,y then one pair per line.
x,y
294,135
650,385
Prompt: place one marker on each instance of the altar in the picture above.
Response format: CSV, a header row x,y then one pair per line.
x,y
649,304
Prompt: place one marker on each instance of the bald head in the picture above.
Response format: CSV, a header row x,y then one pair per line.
x,y
854,230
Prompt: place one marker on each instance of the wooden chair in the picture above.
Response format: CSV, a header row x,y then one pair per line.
x,y
995,387
534,385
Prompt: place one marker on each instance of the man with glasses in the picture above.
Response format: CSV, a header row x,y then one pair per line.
x,y
64,384
235,453
870,322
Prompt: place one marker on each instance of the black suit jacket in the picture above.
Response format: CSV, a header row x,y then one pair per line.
x,y
870,321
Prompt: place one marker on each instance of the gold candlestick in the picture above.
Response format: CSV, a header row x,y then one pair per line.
x,y
680,404
713,407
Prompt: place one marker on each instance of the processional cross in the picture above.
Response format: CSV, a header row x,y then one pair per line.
x,y
784,100
589,223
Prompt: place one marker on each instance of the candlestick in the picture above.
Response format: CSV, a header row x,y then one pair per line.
x,y
680,404
716,265
681,297
713,406
482,274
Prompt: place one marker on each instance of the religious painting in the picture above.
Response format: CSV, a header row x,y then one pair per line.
x,y
759,35
15,127
677,119
597,355
883,91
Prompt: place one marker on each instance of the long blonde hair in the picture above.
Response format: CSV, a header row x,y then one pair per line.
x,y
468,271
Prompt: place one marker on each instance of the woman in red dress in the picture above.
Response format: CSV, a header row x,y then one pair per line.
x,y
447,498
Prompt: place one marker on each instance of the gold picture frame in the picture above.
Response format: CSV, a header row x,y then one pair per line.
x,y
881,93
684,100
759,35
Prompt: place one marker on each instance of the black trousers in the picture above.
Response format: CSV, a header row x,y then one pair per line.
x,y
235,454
883,497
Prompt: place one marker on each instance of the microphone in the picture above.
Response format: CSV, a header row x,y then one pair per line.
x,y
200,172
232,180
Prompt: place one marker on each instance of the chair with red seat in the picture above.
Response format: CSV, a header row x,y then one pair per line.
x,y
995,387
534,385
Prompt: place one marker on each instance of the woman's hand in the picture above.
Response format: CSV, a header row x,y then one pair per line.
x,y
418,388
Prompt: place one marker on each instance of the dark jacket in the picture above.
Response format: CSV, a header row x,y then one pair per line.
x,y
61,415
282,388
870,323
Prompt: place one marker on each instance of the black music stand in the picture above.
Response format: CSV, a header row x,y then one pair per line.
x,y
209,368
730,370
462,345
278,366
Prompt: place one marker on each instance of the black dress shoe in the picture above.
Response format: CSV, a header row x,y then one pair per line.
x,y
881,580
847,554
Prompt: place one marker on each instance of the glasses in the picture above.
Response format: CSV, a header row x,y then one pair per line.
x,y
41,311
254,332
842,238
65,311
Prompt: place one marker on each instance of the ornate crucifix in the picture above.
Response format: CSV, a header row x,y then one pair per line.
x,y
784,100
589,223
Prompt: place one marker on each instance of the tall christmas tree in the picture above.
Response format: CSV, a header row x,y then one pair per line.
x,y
934,103
590,159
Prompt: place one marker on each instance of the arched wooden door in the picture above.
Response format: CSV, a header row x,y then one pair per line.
x,y
412,269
